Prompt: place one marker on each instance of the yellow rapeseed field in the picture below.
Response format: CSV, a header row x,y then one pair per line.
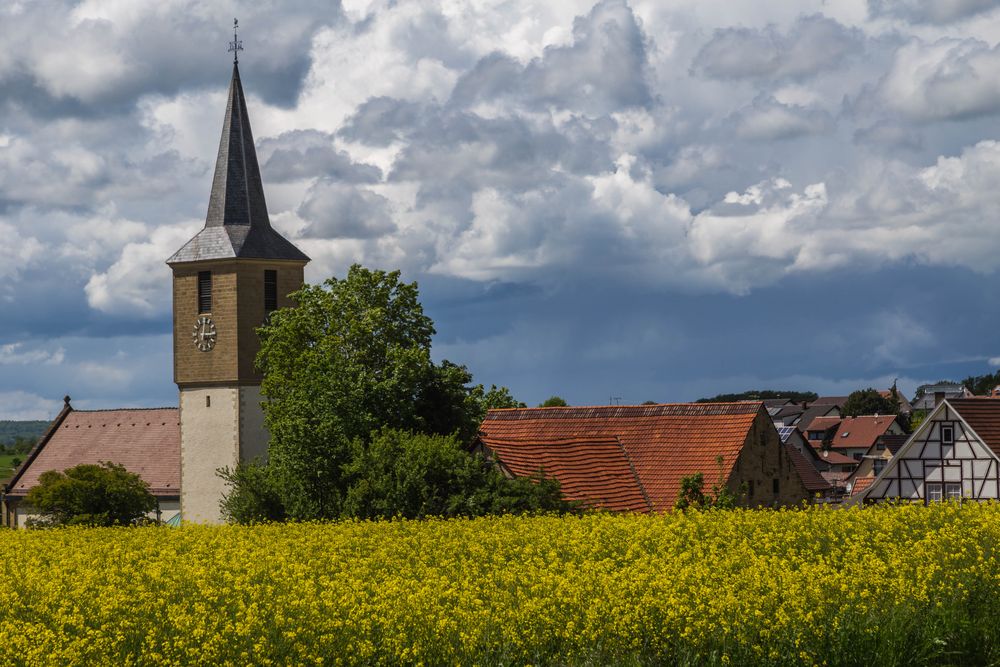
x,y
880,586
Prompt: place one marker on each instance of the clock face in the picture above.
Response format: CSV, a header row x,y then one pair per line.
x,y
204,333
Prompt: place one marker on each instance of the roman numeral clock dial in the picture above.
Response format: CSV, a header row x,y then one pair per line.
x,y
204,334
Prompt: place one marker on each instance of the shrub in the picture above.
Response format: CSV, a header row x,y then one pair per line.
x,y
91,495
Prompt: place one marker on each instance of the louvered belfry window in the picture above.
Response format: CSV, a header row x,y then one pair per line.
x,y
270,291
204,291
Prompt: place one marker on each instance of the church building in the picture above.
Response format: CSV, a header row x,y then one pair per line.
x,y
226,281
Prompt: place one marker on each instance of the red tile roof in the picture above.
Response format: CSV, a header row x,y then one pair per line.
x,y
854,432
983,415
811,479
822,423
836,458
862,431
665,442
145,441
861,483
595,471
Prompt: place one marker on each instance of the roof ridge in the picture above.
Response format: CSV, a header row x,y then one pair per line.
x,y
125,409
627,411
630,405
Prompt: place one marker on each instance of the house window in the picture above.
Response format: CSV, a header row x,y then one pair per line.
x,y
880,446
948,435
933,493
270,291
815,435
879,466
774,485
953,491
204,291
750,488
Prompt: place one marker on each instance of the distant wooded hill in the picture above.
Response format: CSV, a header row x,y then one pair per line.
x,y
11,431
760,395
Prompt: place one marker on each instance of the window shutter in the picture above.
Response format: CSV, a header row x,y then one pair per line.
x,y
270,291
204,291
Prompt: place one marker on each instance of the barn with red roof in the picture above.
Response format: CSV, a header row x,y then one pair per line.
x,y
633,458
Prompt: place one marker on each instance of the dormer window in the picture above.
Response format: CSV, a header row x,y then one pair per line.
x,y
204,291
270,291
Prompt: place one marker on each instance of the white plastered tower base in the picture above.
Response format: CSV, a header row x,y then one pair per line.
x,y
220,427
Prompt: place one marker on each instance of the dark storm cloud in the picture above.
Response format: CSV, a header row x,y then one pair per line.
x,y
61,64
587,342
307,154
930,11
338,211
813,44
379,121
595,204
507,152
604,70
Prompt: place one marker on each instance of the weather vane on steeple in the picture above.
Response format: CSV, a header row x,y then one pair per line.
x,y
236,45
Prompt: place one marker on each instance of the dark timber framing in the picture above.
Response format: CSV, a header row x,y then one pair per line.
x,y
946,451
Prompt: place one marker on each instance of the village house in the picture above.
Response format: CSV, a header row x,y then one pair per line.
x,y
874,462
633,458
933,395
145,441
953,454
812,477
801,414
851,436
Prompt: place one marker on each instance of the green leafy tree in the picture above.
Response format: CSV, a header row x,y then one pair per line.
x,y
414,475
869,402
693,496
553,402
917,418
91,495
253,495
982,385
352,358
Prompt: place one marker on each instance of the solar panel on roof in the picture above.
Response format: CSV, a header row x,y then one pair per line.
x,y
784,432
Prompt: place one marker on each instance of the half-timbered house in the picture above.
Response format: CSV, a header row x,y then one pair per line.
x,y
954,454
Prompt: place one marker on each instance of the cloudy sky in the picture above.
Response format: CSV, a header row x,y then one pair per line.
x,y
639,199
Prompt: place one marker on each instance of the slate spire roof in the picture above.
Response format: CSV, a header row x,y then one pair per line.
x,y
237,225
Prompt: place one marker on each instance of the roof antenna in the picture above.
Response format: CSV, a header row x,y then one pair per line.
x,y
236,45
614,400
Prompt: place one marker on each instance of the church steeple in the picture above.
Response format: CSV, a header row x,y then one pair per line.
x,y
237,225
227,281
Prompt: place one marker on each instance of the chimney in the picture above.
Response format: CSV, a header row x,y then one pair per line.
x,y
938,397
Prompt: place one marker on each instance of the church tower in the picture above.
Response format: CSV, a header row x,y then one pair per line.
x,y
227,279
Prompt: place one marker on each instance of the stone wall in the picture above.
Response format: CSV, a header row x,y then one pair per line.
x,y
237,311
763,464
